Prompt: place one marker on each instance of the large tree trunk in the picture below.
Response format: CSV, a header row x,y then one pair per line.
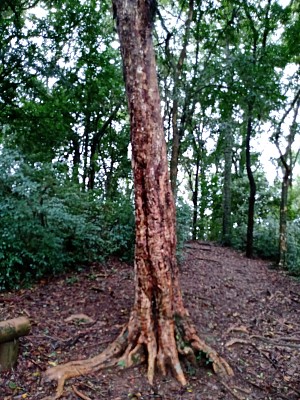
x,y
159,328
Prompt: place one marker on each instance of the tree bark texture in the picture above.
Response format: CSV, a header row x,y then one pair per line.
x,y
159,327
157,295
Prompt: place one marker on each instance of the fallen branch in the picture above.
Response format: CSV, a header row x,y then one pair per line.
x,y
10,331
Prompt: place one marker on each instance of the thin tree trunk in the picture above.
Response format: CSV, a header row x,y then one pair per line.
x,y
203,201
87,131
178,132
175,147
226,115
252,184
99,133
287,167
283,219
195,198
76,158
227,220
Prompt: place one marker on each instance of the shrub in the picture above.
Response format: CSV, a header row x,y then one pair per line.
x,y
183,224
48,225
293,247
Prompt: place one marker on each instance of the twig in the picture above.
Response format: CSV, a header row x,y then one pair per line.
x,y
270,341
291,388
233,341
254,384
247,342
37,364
243,390
290,339
79,394
231,391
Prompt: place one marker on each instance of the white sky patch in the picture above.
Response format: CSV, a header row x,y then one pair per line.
x,y
38,11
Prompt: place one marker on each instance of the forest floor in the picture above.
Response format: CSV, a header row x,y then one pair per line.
x,y
247,311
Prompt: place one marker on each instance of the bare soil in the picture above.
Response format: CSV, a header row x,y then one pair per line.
x,y
247,311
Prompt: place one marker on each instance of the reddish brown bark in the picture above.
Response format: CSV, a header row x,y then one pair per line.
x,y
159,328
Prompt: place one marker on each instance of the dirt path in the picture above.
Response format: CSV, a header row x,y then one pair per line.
x,y
249,313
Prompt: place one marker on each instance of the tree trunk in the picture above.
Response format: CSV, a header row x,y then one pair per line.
x,y
86,138
97,136
177,72
159,328
288,162
283,219
251,201
175,147
76,158
195,198
227,220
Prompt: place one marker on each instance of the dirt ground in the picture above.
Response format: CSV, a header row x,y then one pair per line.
x,y
247,311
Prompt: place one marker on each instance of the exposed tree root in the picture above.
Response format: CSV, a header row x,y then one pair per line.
x,y
79,394
132,348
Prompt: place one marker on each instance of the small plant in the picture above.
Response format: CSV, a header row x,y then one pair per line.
x,y
72,279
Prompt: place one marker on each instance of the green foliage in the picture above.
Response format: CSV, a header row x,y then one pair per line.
x,y
62,98
184,224
266,237
120,227
48,225
293,247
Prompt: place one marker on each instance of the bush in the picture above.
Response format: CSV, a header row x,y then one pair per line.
x,y
183,224
266,239
48,225
293,247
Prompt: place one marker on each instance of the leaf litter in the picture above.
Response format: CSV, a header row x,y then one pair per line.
x,y
247,311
